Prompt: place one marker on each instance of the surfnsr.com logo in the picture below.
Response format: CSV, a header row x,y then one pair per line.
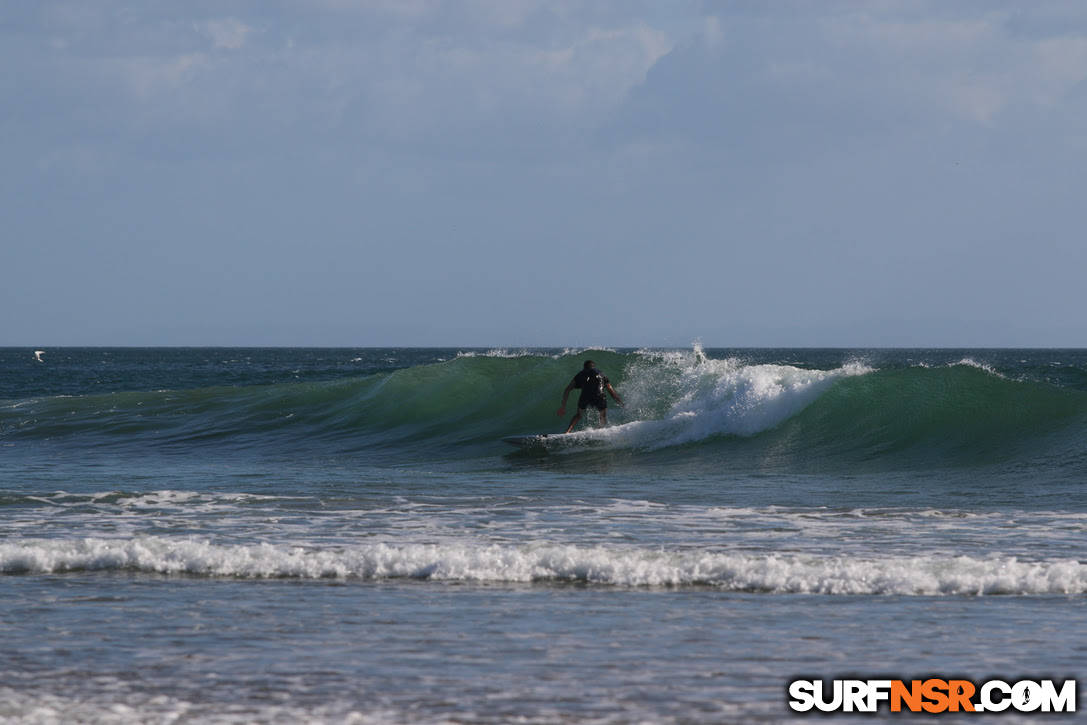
x,y
932,695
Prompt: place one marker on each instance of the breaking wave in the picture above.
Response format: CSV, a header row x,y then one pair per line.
x,y
765,415
597,565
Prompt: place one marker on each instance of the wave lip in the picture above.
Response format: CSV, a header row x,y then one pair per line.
x,y
707,397
930,575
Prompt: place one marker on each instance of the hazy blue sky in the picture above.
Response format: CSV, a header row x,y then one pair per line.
x,y
511,173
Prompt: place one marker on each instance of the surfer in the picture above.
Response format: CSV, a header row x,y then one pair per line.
x,y
592,383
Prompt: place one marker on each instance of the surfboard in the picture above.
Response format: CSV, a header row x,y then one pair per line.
x,y
531,441
555,441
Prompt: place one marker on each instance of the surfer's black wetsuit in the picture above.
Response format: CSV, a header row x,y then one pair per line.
x,y
592,383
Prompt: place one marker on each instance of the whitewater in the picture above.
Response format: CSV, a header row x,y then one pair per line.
x,y
340,535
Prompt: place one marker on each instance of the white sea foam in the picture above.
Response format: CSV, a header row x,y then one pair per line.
x,y
497,352
710,397
582,350
972,363
304,522
118,704
603,565
502,352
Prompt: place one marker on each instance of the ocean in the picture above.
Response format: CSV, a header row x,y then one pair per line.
x,y
341,535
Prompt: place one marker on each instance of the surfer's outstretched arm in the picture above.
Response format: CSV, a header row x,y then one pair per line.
x,y
615,395
565,395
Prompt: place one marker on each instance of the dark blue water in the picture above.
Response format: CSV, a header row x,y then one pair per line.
x,y
341,535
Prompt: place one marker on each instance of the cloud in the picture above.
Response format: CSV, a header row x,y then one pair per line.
x,y
228,33
772,79
729,161
146,77
1061,68
539,80
425,75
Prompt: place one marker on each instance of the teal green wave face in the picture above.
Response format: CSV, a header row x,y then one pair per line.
x,y
919,418
682,408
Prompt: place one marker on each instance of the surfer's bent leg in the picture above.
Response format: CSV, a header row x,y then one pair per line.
x,y
574,420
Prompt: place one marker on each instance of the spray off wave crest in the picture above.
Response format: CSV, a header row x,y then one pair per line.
x,y
680,398
598,565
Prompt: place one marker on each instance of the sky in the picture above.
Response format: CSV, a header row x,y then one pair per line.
x,y
543,173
